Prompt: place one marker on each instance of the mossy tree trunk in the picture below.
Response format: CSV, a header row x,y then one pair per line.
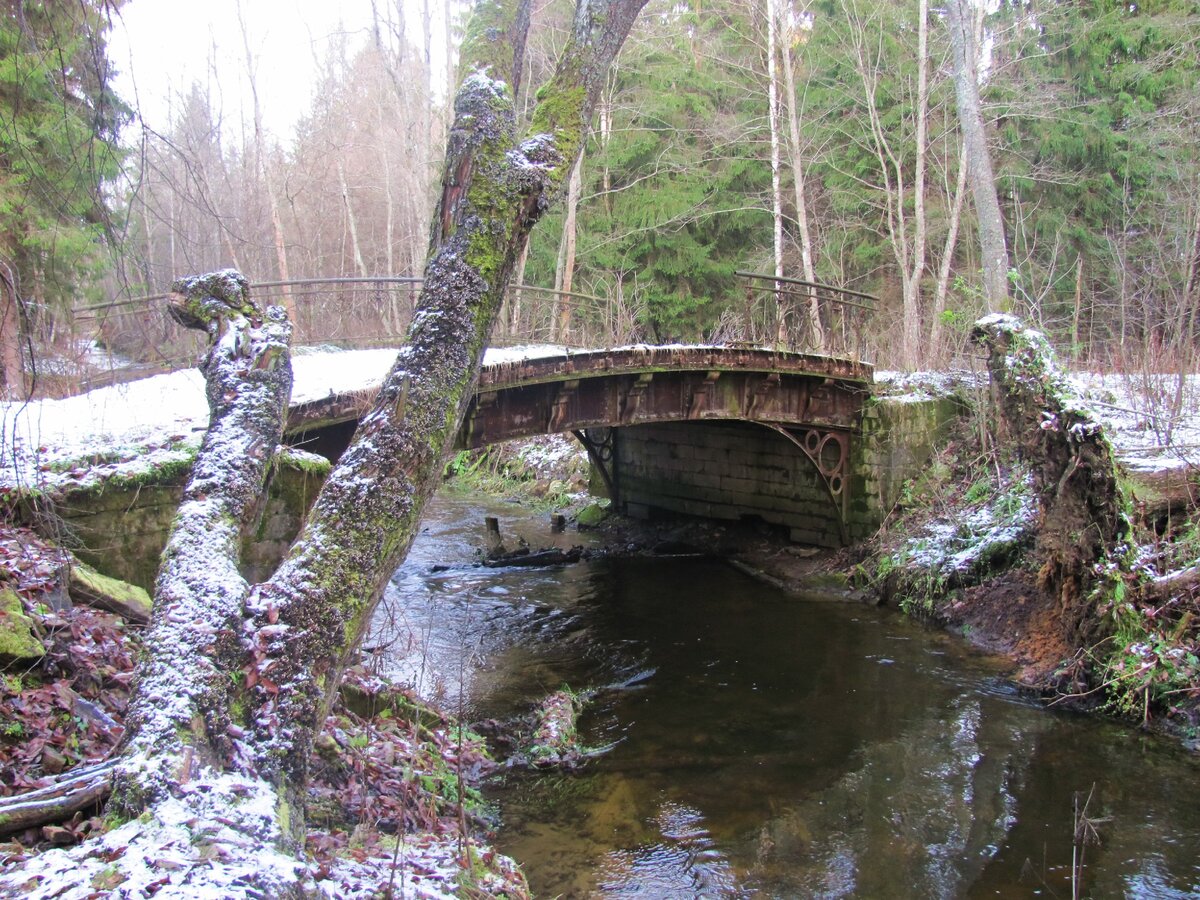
x,y
239,678
495,187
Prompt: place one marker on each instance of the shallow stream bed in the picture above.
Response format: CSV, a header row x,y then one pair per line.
x,y
764,747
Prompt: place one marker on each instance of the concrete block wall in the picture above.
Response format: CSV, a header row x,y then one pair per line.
x,y
725,470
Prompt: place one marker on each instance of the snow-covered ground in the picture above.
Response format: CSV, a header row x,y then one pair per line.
x,y
1135,410
126,428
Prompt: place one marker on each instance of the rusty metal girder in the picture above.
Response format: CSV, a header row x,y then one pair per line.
x,y
644,358
829,452
619,399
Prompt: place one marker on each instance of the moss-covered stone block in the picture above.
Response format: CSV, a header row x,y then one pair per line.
x,y
593,514
120,528
128,601
19,642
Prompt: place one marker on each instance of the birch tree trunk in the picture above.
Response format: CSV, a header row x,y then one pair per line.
x,y
567,280
239,678
960,20
942,287
912,287
797,161
906,234
351,222
776,190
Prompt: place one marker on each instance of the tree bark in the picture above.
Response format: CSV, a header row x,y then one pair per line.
x,y
81,788
11,358
238,679
351,222
567,281
494,189
942,288
907,238
776,189
993,248
797,161
912,288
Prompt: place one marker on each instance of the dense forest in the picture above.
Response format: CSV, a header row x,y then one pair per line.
x,y
945,160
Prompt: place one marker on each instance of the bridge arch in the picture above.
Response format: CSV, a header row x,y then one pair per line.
x,y
809,404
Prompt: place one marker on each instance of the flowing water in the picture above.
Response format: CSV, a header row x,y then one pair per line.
x,y
762,747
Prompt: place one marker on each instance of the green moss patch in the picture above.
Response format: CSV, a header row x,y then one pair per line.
x,y
18,638
129,601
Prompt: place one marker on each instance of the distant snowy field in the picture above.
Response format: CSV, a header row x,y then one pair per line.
x,y
127,427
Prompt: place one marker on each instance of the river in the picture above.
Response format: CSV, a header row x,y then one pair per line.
x,y
763,747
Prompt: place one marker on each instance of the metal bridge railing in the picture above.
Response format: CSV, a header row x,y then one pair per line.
x,y
805,316
354,313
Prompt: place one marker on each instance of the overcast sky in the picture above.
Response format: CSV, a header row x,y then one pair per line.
x,y
162,46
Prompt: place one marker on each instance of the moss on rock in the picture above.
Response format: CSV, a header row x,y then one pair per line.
x,y
18,638
129,601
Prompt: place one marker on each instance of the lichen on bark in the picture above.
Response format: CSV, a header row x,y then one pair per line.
x,y
494,189
193,642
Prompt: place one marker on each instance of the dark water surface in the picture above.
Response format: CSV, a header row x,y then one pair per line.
x,y
763,747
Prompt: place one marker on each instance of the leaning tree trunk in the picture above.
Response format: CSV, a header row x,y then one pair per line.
x,y
239,678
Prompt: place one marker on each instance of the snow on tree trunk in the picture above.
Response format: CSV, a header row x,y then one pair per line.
x,y
180,715
494,189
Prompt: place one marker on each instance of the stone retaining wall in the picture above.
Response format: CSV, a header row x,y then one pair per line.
x,y
725,470
121,529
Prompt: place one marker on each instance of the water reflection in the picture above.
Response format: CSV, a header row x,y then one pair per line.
x,y
779,749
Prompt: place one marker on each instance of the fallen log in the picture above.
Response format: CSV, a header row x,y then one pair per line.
x,y
78,790
524,557
1173,584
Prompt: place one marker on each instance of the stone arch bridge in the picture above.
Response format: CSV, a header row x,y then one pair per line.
x,y
723,432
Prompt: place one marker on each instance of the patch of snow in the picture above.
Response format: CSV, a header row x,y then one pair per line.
x,y
913,387
497,356
126,429
554,456
958,548
211,842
